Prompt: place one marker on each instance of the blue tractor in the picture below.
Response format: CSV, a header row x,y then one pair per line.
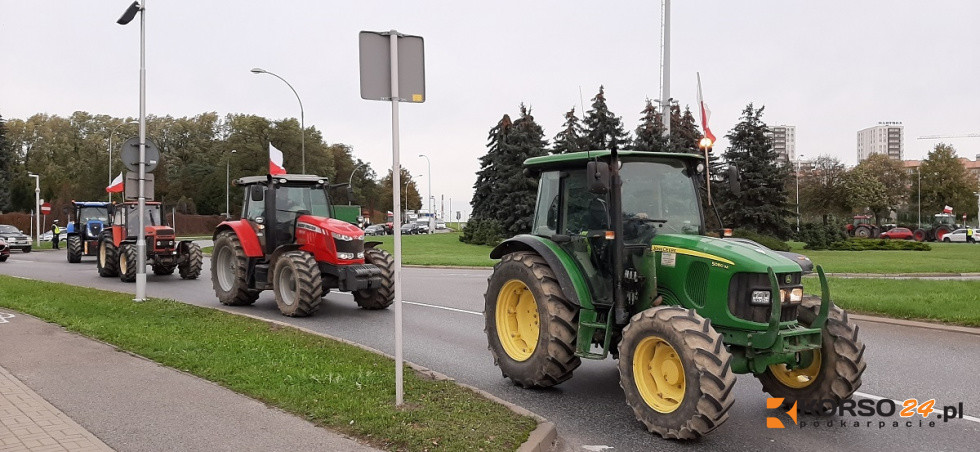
x,y
83,233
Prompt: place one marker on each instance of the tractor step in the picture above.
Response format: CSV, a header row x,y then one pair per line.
x,y
588,324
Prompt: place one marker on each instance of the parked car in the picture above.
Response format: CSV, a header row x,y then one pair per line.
x,y
804,262
375,229
62,237
15,238
440,225
423,228
959,235
4,251
411,229
897,234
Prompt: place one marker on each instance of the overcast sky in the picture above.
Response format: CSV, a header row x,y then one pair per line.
x,y
830,68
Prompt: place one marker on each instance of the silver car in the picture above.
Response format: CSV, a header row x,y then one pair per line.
x,y
960,235
15,238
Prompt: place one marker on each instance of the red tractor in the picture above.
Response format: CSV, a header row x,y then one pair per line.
x,y
289,241
862,227
117,253
942,224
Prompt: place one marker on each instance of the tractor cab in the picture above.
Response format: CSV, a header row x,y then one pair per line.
x,y
945,219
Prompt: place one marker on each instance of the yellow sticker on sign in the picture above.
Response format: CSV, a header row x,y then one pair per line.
x,y
416,98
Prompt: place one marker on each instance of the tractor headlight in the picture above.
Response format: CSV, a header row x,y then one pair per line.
x,y
347,256
340,236
760,298
796,295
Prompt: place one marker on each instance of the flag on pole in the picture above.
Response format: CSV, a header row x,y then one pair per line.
x,y
705,113
947,209
275,161
116,186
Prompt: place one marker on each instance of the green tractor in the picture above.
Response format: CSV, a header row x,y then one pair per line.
x,y
618,262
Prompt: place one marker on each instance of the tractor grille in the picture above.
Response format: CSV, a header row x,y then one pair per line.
x,y
165,232
740,294
355,248
696,284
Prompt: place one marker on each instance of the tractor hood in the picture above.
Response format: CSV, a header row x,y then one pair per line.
x,y
738,257
332,225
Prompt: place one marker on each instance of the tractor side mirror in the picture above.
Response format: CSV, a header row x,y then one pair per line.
x,y
257,193
598,177
734,184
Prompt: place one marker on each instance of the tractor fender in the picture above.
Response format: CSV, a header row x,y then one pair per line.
x,y
246,235
369,245
571,280
274,257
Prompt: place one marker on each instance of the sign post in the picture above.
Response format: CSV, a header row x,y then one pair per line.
x,y
392,66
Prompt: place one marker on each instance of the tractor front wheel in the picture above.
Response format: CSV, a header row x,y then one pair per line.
x,y
381,297
229,270
108,258
531,326
128,261
74,249
834,372
676,372
298,284
190,266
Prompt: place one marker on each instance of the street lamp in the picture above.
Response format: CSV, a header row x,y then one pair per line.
x,y
228,185
798,157
430,181
302,125
918,172
37,207
110,150
351,180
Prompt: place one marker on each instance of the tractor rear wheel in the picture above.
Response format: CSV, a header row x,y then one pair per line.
x,y
919,235
531,326
190,267
941,232
74,249
862,232
676,372
835,370
108,258
298,284
229,270
381,297
128,261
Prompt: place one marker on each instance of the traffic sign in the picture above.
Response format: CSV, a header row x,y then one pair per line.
x,y
46,208
130,154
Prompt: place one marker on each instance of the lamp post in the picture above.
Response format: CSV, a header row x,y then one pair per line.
x,y
918,172
37,207
428,201
110,149
302,125
351,180
798,157
228,185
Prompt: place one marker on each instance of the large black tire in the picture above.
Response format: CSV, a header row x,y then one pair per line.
x,y
229,270
26,250
383,296
128,262
531,326
675,372
297,284
920,235
190,268
74,249
862,232
834,373
4,258
163,269
107,259
941,232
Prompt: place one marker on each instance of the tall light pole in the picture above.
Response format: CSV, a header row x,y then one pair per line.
x,y
37,207
351,180
110,150
665,99
798,157
228,185
918,172
428,201
302,124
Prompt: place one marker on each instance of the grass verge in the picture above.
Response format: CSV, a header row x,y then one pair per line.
x,y
329,383
437,249
943,258
955,302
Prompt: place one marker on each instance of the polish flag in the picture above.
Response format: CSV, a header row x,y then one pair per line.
x,y
948,209
116,186
275,161
705,113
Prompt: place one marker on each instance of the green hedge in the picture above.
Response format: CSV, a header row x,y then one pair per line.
x,y
879,244
819,236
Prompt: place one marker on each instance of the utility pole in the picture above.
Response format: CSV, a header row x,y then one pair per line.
x,y
665,70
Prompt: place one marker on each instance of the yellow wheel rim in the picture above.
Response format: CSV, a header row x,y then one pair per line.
x,y
659,374
517,320
797,378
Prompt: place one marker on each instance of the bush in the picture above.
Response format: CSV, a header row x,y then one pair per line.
x,y
765,240
819,236
482,232
879,244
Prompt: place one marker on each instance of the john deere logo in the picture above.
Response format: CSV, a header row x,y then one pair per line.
x,y
776,402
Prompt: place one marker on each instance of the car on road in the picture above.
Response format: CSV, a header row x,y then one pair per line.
x,y
412,229
4,251
959,235
375,229
897,234
15,238
62,237
804,262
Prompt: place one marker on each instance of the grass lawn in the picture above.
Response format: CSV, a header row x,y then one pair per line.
x,y
329,383
943,258
947,301
437,249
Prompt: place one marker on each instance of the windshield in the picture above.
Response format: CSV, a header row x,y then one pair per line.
x,y
7,229
292,200
661,195
86,214
151,217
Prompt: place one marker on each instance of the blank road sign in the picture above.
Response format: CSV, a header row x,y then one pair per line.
x,y
375,55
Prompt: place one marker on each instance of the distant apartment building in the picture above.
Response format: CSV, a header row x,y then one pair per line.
x,y
885,138
784,143
972,167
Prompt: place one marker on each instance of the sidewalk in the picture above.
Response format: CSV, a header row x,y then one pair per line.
x,y
61,391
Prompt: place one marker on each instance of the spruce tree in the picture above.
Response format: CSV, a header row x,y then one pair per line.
x,y
604,129
684,133
761,205
572,136
650,133
6,168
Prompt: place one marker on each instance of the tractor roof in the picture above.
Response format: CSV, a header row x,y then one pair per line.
x,y
570,159
293,179
90,203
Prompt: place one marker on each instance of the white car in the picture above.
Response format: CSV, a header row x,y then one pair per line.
x,y
959,235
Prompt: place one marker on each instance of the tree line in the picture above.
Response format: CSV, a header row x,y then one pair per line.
x,y
72,156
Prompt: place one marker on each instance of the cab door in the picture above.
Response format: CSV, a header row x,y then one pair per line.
x,y
254,212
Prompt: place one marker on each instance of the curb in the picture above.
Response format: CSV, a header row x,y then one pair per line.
x,y
916,324
542,439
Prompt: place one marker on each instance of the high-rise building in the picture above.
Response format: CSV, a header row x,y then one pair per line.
x,y
784,143
885,138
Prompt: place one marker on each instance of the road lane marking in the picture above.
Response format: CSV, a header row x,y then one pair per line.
x,y
874,397
443,307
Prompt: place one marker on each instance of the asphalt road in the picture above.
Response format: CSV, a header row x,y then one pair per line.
x,y
443,326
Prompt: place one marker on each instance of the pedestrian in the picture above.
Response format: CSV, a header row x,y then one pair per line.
x,y
55,232
969,235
